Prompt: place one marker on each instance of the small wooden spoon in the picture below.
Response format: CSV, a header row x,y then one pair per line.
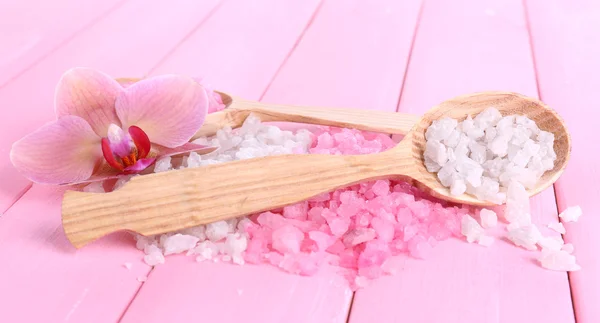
x,y
237,110
175,200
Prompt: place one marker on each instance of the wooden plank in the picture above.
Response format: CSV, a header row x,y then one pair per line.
x,y
465,46
330,53
32,29
127,43
566,51
40,270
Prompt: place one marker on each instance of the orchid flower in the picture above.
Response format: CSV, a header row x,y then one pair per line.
x,y
104,129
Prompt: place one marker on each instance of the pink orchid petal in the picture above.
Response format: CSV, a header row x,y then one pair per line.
x,y
64,151
169,109
140,165
183,149
141,141
215,102
90,95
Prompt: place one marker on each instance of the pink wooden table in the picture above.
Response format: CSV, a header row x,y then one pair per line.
x,y
380,54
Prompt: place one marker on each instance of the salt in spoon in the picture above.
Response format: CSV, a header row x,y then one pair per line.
x,y
174,200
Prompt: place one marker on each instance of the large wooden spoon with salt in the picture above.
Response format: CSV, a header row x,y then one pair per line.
x,y
174,200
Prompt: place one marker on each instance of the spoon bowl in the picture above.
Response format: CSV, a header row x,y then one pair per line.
x,y
472,104
179,199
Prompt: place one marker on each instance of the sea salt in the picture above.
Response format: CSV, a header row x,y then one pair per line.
x,y
127,265
488,218
487,153
471,229
360,227
558,227
571,214
525,236
558,260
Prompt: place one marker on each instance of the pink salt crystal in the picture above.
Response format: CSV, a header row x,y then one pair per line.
x,y
384,229
375,254
418,247
381,188
297,211
301,264
315,215
287,239
398,246
358,236
439,231
410,231
338,226
404,216
322,239
320,198
271,220
363,219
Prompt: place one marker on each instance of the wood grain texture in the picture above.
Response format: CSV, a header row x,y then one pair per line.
x,y
463,46
33,29
126,43
330,54
180,199
566,50
45,280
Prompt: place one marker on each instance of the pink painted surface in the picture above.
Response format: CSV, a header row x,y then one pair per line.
x,y
90,285
470,283
45,279
321,61
156,29
32,30
352,54
566,49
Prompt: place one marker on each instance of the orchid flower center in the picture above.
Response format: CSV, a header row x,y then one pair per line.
x,y
124,150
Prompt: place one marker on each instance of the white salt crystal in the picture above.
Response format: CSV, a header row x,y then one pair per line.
x,y
179,243
127,265
490,134
558,227
478,152
488,218
525,236
488,117
436,151
559,260
142,279
485,240
162,164
154,255
198,232
452,139
217,230
447,174
551,243
499,146
470,228
194,160
568,248
571,214
517,204
440,129
95,187
235,244
458,187
206,250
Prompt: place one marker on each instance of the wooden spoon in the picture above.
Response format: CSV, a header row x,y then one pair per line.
x,y
175,200
237,110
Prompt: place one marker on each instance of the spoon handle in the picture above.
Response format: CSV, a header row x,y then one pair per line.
x,y
367,120
175,200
